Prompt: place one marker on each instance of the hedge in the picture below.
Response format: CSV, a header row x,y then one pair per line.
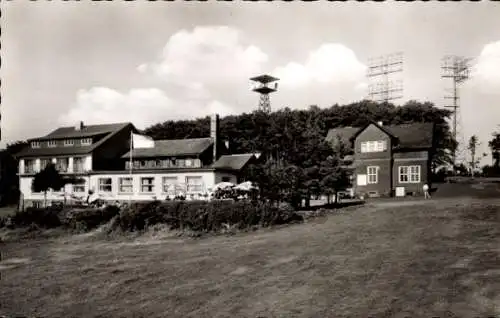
x,y
56,216
204,216
198,216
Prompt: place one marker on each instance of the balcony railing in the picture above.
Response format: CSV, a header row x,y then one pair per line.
x,y
165,163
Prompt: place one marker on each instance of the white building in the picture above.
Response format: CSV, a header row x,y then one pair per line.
x,y
100,154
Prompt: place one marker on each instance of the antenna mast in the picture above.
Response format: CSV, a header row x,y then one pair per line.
x,y
385,90
458,69
263,85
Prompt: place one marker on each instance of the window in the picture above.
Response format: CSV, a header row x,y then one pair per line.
x,y
62,164
189,162
147,184
29,165
35,144
86,141
52,143
372,173
78,164
226,179
169,184
194,184
105,185
373,146
196,163
125,185
79,188
181,163
69,142
409,174
37,204
44,163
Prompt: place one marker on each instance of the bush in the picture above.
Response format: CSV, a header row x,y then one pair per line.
x,y
204,216
45,217
85,219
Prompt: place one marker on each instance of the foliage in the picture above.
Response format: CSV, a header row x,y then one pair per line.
x,y
474,158
490,171
203,216
50,178
86,219
494,145
295,137
57,216
46,218
9,182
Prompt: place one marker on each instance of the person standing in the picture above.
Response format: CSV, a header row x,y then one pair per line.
x,y
426,191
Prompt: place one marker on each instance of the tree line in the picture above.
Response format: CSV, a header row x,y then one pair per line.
x,y
298,160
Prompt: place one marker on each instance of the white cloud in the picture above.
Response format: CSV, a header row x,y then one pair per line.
x,y
143,107
206,70
331,63
208,55
487,69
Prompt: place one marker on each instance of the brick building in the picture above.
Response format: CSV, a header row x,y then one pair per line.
x,y
388,160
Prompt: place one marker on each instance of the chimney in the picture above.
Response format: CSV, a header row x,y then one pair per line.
x,y
214,134
380,123
79,126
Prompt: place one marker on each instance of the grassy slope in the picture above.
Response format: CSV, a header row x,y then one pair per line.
x,y
405,258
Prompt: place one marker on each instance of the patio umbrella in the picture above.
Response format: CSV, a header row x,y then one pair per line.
x,y
223,185
246,186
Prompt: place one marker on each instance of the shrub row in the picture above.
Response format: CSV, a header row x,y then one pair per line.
x,y
198,216
203,216
54,216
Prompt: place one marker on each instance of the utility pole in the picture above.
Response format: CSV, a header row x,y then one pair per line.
x,y
384,89
458,69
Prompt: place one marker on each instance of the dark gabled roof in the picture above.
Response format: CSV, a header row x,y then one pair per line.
x,y
233,162
345,134
172,148
85,132
414,135
65,132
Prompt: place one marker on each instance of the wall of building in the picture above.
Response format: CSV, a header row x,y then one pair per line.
x,y
209,179
223,176
87,163
372,133
108,155
415,187
383,185
381,159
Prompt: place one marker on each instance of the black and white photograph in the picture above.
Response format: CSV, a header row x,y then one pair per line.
x,y
253,159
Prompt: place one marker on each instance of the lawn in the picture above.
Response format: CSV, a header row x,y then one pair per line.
x,y
387,259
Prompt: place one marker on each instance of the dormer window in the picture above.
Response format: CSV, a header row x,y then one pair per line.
x,y
86,141
69,142
35,144
373,146
52,143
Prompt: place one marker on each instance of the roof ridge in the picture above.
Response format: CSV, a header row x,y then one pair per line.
x,y
97,125
182,139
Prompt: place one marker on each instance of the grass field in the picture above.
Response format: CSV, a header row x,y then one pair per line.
x,y
386,259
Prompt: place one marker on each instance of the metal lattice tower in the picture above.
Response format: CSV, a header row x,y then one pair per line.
x,y
264,85
458,69
384,89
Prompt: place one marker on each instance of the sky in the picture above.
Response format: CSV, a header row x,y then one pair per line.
x,y
104,62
